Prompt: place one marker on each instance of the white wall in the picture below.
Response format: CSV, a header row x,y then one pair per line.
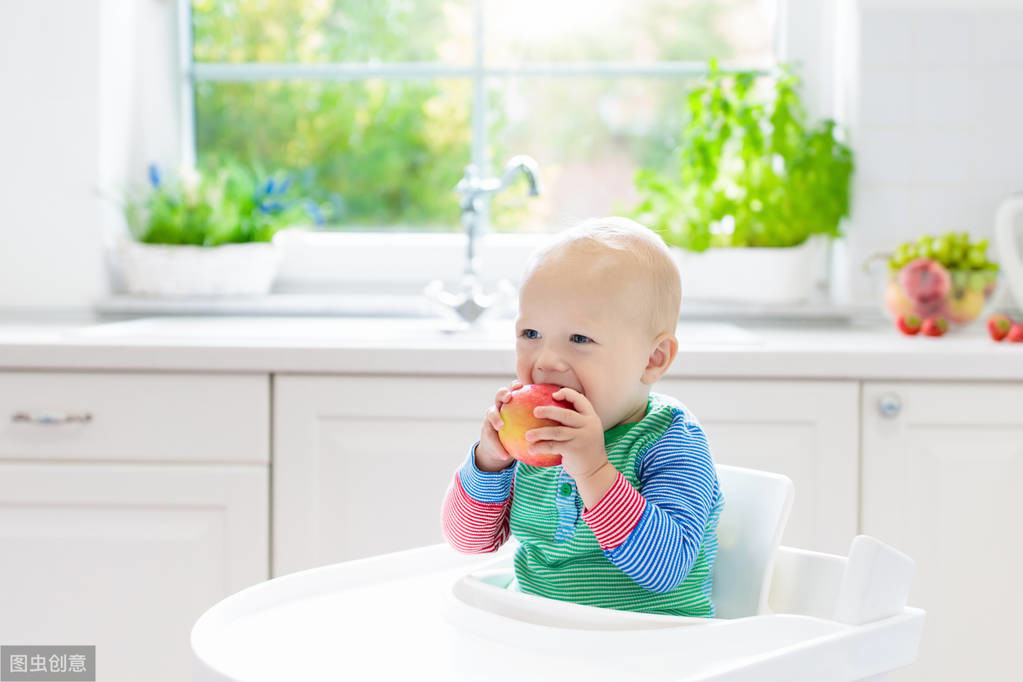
x,y
933,95
49,124
85,105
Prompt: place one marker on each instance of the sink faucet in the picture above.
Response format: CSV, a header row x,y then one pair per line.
x,y
469,302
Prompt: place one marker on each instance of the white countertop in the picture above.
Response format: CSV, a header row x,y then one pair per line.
x,y
419,346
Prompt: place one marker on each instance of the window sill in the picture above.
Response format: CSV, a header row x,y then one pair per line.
x,y
395,263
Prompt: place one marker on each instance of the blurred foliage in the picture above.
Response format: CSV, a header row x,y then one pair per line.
x,y
234,204
387,153
751,169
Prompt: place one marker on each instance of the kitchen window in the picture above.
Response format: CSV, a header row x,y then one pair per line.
x,y
378,106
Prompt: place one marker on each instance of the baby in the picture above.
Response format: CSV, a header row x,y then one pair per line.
x,y
628,520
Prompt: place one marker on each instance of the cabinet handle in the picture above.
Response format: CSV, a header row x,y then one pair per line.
x,y
889,405
51,418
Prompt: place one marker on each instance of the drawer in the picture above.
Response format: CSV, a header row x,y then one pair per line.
x,y
101,416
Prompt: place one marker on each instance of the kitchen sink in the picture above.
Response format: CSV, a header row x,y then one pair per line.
x,y
357,330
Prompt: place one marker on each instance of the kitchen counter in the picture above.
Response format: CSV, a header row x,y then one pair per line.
x,y
427,347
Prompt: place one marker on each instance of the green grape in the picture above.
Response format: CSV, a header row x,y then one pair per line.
x,y
975,258
943,249
901,256
978,281
958,255
925,246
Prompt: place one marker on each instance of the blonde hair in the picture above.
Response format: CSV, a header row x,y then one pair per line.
x,y
626,239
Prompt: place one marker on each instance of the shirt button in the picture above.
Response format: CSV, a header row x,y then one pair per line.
x,y
566,489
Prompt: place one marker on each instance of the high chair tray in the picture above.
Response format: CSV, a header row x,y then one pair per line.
x,y
431,613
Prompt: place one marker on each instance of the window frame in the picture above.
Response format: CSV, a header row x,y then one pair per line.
x,y
346,260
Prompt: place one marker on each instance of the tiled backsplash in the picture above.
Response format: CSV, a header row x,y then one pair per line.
x,y
934,102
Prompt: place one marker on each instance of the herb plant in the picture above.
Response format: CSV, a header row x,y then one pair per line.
x,y
750,170
229,204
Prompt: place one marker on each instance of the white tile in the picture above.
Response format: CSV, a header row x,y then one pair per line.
x,y
878,209
996,95
998,37
883,154
887,37
887,97
940,209
996,153
941,155
942,96
880,219
984,202
943,38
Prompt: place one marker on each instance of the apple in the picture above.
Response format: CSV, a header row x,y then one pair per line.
x,y
965,308
518,418
924,280
896,301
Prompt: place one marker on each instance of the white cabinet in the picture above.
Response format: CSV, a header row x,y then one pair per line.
x,y
943,482
361,464
807,430
115,530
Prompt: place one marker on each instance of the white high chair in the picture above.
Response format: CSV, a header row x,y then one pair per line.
x,y
783,615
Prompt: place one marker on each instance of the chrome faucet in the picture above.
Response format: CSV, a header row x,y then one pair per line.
x,y
469,302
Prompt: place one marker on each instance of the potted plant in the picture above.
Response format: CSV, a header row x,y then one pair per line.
x,y
753,183
203,234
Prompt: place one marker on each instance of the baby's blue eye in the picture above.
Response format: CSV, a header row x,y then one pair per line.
x,y
530,334
579,338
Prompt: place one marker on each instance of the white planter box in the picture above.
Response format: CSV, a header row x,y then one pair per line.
x,y
171,270
753,275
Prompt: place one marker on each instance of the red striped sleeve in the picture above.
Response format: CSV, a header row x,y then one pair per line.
x,y
471,526
617,513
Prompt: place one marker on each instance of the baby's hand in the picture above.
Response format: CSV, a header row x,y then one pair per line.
x,y
490,454
579,439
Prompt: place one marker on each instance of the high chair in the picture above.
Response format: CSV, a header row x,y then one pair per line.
x,y
782,614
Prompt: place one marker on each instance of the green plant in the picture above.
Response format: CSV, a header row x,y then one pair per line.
x,y
229,204
751,171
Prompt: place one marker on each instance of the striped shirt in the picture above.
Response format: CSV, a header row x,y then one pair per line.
x,y
648,545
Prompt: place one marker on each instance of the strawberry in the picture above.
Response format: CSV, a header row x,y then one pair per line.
x,y
934,326
1016,332
908,324
998,326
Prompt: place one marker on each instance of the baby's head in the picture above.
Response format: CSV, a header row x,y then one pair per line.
x,y
598,309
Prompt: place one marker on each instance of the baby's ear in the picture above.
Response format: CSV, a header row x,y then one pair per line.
x,y
660,359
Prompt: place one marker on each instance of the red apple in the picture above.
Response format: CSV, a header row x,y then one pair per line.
x,y
925,280
518,418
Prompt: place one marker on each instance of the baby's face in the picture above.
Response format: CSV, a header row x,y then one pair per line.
x,y
583,328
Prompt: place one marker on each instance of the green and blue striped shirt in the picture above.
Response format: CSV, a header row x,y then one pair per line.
x,y
648,545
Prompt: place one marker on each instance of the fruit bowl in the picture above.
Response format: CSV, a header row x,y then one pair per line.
x,y
926,288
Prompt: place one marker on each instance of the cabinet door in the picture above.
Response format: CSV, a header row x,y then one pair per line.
x,y
126,557
361,464
942,482
807,430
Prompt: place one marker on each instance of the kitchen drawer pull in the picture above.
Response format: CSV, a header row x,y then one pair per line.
x,y
889,405
51,418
